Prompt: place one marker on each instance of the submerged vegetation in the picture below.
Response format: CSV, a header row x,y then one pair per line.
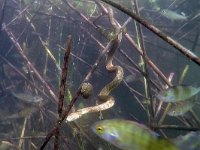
x,y
69,68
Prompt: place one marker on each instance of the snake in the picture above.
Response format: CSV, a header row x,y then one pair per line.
x,y
104,96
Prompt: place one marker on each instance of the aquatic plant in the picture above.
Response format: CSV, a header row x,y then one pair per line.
x,y
108,40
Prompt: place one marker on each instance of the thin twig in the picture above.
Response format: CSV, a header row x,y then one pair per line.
x,y
175,127
20,13
48,51
64,74
21,141
144,56
3,8
62,89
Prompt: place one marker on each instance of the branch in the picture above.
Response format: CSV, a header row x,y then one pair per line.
x,y
175,127
155,30
62,89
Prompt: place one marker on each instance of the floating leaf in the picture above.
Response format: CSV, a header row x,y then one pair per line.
x,y
177,93
130,135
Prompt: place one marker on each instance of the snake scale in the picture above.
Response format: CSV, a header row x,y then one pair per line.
x,y
108,101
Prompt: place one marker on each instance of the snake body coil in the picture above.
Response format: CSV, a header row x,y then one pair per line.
x,y
108,100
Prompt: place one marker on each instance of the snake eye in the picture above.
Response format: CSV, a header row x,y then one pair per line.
x,y
99,129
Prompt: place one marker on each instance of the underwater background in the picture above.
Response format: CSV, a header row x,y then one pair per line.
x,y
34,38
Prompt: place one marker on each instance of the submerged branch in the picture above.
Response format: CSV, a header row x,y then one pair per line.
x,y
175,127
64,75
145,68
62,90
155,30
3,8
